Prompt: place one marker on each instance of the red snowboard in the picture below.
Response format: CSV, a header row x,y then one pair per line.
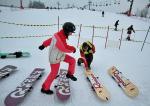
x,y
63,86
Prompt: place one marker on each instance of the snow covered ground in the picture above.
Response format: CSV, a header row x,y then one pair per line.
x,y
133,63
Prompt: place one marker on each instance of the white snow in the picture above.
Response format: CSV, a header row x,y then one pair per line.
x,y
133,63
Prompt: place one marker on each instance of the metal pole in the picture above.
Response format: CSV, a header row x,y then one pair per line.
x,y
79,36
107,37
58,23
93,34
145,38
121,39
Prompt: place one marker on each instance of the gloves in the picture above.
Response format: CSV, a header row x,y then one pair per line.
x,y
41,47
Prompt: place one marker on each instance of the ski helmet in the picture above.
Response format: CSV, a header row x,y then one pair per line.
x,y
85,45
69,27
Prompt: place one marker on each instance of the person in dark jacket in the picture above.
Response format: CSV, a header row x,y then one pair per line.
x,y
116,24
87,49
129,31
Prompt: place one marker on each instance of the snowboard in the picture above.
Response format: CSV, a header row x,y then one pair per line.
x,y
97,86
6,70
128,87
18,95
63,86
17,54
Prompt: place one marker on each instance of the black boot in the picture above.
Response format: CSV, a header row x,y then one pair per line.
x,y
73,78
79,61
79,64
49,92
128,38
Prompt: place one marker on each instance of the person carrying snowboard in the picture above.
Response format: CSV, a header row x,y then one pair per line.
x,y
129,31
57,52
116,24
87,49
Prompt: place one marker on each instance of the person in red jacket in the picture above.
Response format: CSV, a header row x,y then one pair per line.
x,y
87,49
57,52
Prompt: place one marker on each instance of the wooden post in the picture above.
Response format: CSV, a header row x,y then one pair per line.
x,y
58,23
145,38
79,36
121,39
106,37
93,35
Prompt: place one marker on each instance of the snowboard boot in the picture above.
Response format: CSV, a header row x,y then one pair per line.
x,y
49,92
128,38
73,78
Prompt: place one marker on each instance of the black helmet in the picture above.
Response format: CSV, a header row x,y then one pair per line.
x,y
85,45
69,27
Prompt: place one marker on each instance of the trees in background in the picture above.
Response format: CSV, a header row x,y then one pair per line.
x,y
37,4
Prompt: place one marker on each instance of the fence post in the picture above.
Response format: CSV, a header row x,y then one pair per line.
x,y
93,35
58,23
145,38
121,39
79,35
106,37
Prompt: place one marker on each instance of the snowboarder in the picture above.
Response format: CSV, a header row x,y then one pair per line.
x,y
102,13
116,24
87,49
57,53
129,31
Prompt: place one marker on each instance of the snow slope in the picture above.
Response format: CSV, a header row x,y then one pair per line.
x,y
129,59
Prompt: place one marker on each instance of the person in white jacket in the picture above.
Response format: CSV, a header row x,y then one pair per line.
x,y
57,52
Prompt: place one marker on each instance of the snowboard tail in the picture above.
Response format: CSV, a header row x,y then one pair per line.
x,y
63,86
128,87
98,87
5,71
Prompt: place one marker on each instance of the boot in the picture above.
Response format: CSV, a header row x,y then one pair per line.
x,y
128,38
49,92
73,78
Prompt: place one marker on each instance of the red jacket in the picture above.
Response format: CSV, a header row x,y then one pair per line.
x,y
58,47
63,39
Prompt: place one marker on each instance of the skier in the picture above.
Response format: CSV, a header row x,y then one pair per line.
x,y
116,24
129,31
102,13
87,49
58,48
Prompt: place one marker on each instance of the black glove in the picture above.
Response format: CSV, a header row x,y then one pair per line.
x,y
41,47
18,54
